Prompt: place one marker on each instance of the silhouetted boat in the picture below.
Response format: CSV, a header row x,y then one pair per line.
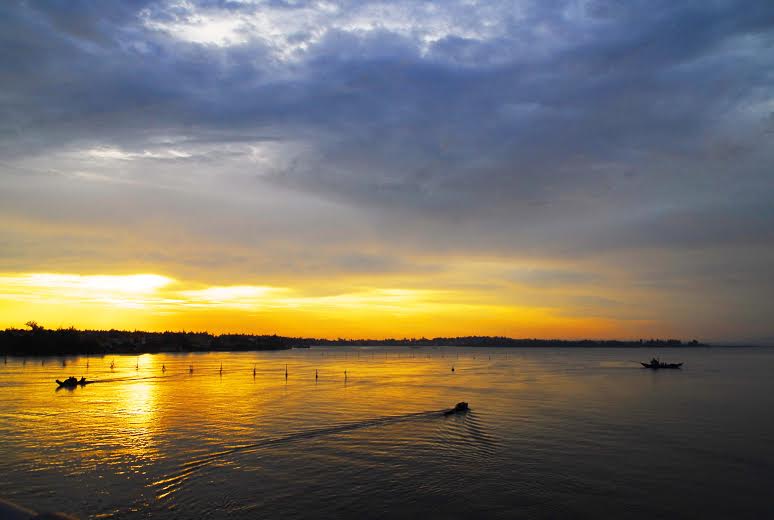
x,y
656,364
71,382
458,408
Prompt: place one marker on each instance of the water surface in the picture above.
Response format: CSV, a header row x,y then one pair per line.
x,y
551,433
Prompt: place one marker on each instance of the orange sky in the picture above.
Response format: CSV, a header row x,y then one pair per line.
x,y
156,302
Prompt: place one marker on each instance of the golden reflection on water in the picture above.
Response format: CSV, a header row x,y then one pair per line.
x,y
134,438
121,412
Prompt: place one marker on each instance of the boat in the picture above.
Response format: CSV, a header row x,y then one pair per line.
x,y
72,382
458,408
655,364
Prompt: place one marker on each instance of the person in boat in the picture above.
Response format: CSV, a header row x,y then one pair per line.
x,y
72,381
458,408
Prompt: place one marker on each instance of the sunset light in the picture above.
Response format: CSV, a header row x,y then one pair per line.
x,y
395,260
156,302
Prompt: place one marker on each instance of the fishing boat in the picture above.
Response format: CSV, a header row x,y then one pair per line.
x,y
458,408
655,364
71,382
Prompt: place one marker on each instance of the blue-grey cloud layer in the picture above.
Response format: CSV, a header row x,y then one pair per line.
x,y
605,131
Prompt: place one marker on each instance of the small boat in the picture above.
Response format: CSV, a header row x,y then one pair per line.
x,y
458,408
72,382
655,364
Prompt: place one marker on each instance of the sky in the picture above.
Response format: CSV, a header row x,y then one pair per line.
x,y
547,168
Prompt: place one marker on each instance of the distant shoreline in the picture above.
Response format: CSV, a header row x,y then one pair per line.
x,y
39,341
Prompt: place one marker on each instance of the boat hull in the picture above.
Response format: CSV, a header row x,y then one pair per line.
x,y
662,365
65,384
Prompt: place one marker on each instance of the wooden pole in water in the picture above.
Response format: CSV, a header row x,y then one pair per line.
x,y
254,370
286,372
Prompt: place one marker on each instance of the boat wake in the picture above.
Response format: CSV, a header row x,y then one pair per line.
x,y
168,485
128,379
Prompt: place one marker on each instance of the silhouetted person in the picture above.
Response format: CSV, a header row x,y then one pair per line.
x,y
458,408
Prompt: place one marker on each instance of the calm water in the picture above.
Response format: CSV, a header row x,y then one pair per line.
x,y
551,433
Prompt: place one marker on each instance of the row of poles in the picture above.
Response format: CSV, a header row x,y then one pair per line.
x,y
255,370
220,370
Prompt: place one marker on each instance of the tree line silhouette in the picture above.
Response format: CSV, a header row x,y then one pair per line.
x,y
37,340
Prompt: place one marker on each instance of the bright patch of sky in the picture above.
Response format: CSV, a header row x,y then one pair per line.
x,y
292,29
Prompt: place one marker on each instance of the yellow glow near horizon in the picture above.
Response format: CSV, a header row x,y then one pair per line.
x,y
156,302
235,296
118,290
84,284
